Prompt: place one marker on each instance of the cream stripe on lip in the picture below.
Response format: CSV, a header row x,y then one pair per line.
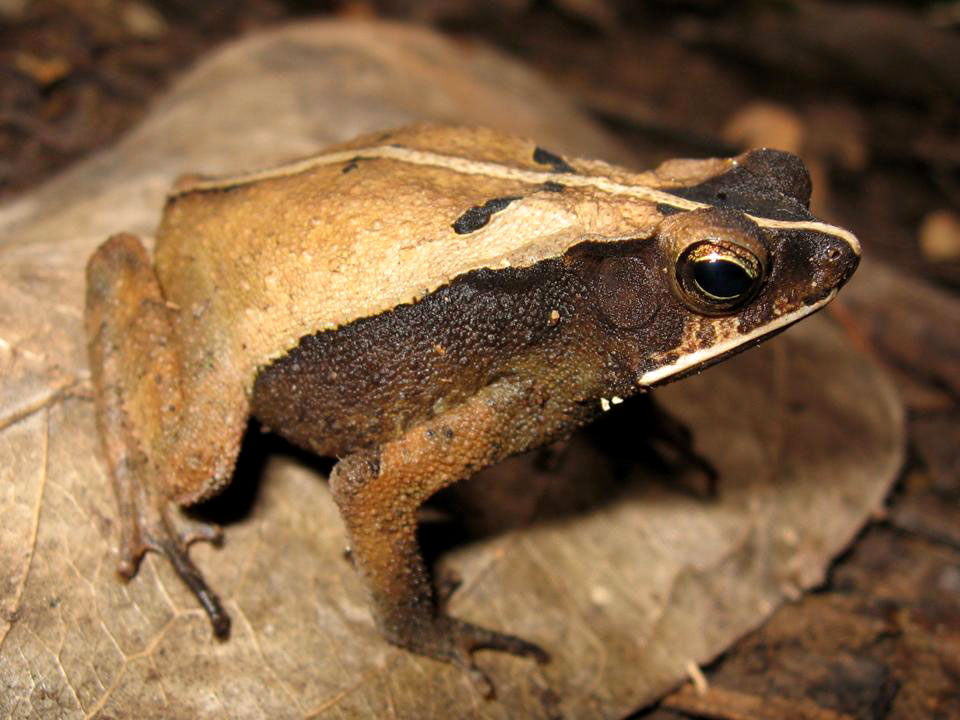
x,y
489,169
701,356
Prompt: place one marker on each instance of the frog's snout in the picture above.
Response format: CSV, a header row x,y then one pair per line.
x,y
834,263
841,261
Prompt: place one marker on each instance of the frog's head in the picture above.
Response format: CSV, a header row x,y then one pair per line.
x,y
746,261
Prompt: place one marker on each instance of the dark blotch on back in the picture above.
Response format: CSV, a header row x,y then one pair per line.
x,y
479,215
553,187
770,183
557,163
352,165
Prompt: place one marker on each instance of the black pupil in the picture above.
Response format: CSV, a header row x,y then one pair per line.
x,y
722,278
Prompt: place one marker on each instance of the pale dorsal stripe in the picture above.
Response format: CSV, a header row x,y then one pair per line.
x,y
489,169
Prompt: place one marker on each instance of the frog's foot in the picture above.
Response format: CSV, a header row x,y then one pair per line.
x,y
454,641
167,531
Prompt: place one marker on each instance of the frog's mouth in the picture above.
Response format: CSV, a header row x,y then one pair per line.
x,y
702,359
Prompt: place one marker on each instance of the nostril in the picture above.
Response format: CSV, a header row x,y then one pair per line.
x,y
833,254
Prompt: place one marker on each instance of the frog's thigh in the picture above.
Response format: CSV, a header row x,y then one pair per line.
x,y
379,491
144,416
133,360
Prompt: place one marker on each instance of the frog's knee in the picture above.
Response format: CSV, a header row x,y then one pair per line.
x,y
352,474
120,256
119,253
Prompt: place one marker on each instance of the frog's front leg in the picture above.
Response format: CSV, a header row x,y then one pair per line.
x,y
378,492
142,418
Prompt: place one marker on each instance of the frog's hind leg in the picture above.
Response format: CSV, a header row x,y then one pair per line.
x,y
137,378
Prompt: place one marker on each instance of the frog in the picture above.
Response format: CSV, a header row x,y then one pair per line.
x,y
419,304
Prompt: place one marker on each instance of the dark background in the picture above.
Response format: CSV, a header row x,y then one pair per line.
x,y
868,94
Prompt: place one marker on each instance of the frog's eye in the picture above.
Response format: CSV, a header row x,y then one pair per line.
x,y
715,277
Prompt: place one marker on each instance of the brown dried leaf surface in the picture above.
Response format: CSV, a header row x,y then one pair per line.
x,y
880,643
911,324
624,591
